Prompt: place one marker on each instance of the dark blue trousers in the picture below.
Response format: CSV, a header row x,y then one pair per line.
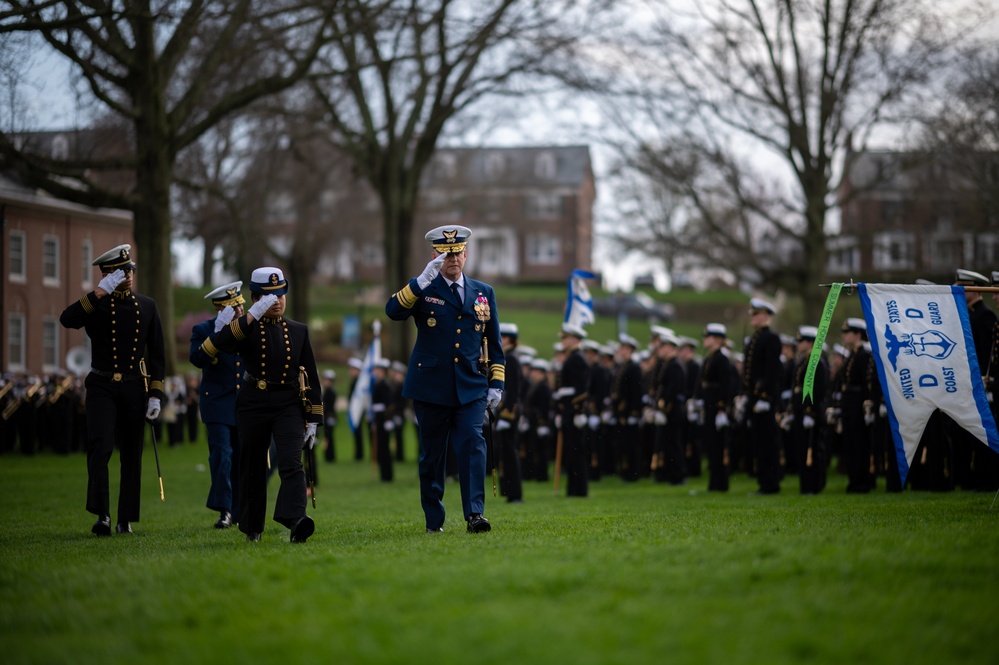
x,y
460,427
223,463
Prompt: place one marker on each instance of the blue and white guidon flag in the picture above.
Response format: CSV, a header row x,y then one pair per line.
x,y
579,303
925,356
360,400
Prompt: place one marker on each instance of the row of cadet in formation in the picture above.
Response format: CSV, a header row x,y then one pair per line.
x,y
599,410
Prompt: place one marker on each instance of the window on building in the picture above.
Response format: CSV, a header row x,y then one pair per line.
x,y
17,256
946,252
894,251
372,254
15,342
543,249
545,166
445,165
543,205
50,261
495,165
86,264
844,260
987,249
50,344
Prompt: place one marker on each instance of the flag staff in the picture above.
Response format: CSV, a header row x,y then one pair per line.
x,y
850,287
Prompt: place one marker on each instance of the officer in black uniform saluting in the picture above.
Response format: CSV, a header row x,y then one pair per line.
x,y
124,327
272,404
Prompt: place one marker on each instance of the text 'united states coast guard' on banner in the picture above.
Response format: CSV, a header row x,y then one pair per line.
x,y
926,360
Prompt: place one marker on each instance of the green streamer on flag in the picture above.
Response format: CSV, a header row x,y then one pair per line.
x,y
820,339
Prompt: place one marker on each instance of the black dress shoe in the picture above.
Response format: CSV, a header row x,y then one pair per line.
x,y
439,529
123,527
478,524
102,527
224,521
253,537
303,530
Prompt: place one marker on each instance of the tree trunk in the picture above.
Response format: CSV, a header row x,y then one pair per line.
x,y
398,231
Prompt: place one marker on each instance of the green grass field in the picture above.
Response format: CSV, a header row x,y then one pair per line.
x,y
635,573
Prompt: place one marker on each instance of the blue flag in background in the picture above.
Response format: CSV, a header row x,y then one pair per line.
x,y
579,305
360,399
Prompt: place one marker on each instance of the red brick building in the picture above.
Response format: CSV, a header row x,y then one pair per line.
x,y
909,215
530,210
46,250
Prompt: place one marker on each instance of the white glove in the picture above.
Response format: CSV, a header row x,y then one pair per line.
x,y
786,421
579,420
883,410
659,418
761,406
389,425
111,280
331,422
259,308
869,418
153,408
310,435
543,431
567,391
632,420
607,417
594,422
740,406
988,397
523,424
649,414
493,398
807,422
224,317
692,411
721,420
430,273
558,421
503,425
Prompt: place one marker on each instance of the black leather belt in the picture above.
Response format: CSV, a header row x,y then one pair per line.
x,y
269,386
117,377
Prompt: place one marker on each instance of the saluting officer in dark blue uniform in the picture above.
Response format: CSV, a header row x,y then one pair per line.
x,y
456,371
270,404
124,327
221,381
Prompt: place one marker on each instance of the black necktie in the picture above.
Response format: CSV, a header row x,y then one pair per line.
x,y
456,292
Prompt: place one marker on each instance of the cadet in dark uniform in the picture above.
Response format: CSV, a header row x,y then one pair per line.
x,y
397,379
507,417
571,397
382,423
806,432
712,398
221,381
853,387
668,464
626,403
598,392
538,431
982,320
124,327
270,404
456,371
329,414
761,378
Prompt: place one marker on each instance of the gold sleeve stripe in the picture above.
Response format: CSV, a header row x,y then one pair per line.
x,y
237,332
315,409
497,372
406,297
87,307
209,348
156,384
